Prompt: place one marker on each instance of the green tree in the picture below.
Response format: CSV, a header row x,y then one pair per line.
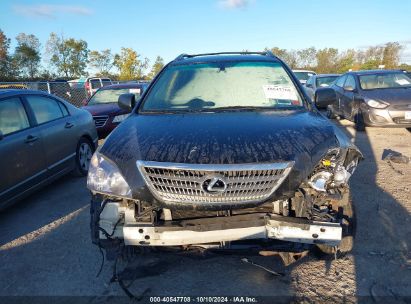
x,y
405,66
391,55
156,68
130,65
27,54
326,60
102,61
47,75
289,57
307,58
331,60
346,61
370,58
5,58
371,64
68,56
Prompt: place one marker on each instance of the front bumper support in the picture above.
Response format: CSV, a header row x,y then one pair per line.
x,y
240,227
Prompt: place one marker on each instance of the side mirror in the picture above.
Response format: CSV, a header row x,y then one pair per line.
x,y
127,101
308,85
349,88
325,97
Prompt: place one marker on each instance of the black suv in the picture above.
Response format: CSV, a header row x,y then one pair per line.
x,y
223,148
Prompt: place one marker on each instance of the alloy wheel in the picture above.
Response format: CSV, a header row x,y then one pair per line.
x,y
85,154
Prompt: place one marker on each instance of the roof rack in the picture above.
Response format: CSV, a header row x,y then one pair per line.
x,y
265,53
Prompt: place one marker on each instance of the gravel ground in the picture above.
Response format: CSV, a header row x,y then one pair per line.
x,y
45,249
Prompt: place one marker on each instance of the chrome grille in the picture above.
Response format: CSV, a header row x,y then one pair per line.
x,y
100,120
187,183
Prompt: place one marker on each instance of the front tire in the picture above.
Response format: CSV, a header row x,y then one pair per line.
x,y
346,217
84,152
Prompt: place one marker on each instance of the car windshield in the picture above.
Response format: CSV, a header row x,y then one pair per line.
x,y
303,75
111,95
223,86
325,81
384,81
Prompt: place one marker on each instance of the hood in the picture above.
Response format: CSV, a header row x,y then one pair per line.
x,y
104,109
392,96
222,138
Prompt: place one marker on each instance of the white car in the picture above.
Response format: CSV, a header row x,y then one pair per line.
x,y
90,84
303,75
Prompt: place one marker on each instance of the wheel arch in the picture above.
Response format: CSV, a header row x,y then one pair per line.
x,y
88,137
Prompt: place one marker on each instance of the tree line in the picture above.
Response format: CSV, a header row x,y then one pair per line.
x,y
332,60
71,58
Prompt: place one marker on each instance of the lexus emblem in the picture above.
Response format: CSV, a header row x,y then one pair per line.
x,y
214,185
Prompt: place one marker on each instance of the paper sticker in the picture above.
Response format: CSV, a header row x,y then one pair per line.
x,y
279,92
402,81
134,91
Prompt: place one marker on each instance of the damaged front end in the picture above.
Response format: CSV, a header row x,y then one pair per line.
x,y
215,205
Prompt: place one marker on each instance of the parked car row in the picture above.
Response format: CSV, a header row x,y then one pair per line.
x,y
380,98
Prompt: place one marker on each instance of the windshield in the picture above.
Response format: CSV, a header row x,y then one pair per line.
x,y
223,85
384,81
303,75
111,95
325,81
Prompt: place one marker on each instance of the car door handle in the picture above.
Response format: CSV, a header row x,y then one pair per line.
x,y
30,139
68,125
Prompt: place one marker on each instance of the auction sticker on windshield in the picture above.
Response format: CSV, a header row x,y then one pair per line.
x,y
279,92
402,81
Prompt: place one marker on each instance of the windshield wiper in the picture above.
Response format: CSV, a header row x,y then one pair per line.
x,y
171,111
241,108
98,103
220,109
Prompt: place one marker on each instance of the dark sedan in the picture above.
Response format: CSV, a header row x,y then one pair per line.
x,y
104,108
380,98
42,137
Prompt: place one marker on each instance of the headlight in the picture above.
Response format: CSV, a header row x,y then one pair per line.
x,y
120,118
105,177
376,104
320,180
